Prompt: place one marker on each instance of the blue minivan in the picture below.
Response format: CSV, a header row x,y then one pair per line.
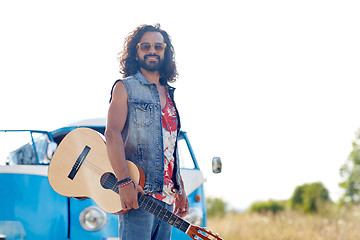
x,y
31,209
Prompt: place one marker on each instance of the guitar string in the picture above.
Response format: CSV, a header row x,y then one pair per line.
x,y
109,183
172,219
100,171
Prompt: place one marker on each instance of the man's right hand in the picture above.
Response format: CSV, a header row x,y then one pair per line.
x,y
128,196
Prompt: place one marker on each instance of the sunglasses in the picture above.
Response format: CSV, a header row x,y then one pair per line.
x,y
146,46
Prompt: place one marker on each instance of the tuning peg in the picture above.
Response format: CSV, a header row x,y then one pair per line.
x,y
217,235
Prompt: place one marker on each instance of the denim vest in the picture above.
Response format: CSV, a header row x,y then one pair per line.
x,y
142,133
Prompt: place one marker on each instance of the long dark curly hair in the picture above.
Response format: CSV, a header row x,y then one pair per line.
x,y
130,66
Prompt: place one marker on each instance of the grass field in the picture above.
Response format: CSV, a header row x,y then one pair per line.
x,y
334,224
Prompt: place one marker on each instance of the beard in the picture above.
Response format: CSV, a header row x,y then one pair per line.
x,y
152,66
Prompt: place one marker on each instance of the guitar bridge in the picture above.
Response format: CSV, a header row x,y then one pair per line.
x,y
78,162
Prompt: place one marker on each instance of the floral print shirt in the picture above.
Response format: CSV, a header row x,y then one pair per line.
x,y
169,129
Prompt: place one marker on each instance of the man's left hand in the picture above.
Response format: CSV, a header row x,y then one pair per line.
x,y
181,204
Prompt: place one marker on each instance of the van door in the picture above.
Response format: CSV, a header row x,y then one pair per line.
x,y
29,208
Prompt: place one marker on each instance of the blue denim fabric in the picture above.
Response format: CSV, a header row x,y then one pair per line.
x,y
141,225
142,133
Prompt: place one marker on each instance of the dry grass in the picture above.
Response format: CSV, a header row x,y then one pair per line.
x,y
336,224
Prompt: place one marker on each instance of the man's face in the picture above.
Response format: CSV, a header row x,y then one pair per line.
x,y
151,60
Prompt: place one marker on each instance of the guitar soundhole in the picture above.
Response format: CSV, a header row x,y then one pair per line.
x,y
108,180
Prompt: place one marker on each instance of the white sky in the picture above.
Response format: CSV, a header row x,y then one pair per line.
x,y
272,87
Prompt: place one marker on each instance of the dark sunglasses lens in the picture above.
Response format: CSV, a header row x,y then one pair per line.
x,y
145,46
159,46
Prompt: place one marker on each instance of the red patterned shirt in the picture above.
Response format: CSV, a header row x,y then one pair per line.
x,y
169,128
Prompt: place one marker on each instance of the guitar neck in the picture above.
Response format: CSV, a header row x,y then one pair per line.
x,y
147,203
108,181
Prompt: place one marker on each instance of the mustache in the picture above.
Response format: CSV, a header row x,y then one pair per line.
x,y
151,55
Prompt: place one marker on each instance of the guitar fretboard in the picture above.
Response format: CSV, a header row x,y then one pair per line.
x,y
148,204
108,181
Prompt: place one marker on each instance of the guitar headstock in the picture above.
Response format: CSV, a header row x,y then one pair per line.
x,y
199,233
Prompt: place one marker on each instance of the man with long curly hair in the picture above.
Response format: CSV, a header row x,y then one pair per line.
x,y
142,126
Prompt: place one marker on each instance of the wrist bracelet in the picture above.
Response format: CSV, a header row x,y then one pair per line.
x,y
127,183
124,180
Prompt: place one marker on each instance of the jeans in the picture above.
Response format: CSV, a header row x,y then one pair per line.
x,y
138,224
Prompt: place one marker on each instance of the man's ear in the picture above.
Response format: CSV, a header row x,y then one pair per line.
x,y
137,57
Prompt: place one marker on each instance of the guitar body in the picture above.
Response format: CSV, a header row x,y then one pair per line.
x,y
92,175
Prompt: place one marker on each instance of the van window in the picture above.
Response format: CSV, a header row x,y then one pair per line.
x,y
17,148
186,160
41,144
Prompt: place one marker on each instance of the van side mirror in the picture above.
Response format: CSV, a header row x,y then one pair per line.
x,y
51,149
216,165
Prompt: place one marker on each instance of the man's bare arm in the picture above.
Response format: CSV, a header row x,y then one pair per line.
x,y
116,119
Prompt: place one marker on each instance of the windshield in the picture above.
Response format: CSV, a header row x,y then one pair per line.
x,y
23,148
186,160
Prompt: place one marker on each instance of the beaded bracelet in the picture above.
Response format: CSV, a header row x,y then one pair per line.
x,y
127,183
124,180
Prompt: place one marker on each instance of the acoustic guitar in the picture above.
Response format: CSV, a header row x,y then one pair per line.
x,y
80,168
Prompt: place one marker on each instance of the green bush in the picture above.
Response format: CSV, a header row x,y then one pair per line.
x,y
215,207
309,197
267,206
